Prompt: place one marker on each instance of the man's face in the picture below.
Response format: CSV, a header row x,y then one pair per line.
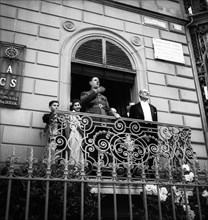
x,y
95,83
144,95
54,106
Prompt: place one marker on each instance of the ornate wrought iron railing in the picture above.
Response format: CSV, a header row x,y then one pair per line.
x,y
118,148
107,168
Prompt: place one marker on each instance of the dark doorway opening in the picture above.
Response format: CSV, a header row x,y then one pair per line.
x,y
118,85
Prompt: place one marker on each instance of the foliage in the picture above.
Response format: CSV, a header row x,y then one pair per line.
x,y
166,207
155,196
203,203
38,195
178,204
152,194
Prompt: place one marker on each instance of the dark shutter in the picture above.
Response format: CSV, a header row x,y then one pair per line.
x,y
115,56
90,51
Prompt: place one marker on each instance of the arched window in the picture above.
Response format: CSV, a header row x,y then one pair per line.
x,y
108,60
104,53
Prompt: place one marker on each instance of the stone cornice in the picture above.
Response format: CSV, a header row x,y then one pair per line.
x,y
200,18
142,11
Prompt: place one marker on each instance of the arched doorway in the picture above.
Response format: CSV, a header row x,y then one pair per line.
x,y
101,57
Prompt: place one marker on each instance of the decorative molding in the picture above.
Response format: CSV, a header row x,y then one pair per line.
x,y
69,26
142,11
200,28
199,18
11,52
136,41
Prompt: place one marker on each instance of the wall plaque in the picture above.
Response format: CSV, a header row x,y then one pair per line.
x,y
11,66
177,28
168,50
155,22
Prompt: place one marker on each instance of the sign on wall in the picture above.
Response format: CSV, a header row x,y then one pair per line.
x,y
168,50
155,22
11,67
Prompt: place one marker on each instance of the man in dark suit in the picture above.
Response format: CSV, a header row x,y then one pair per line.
x,y
143,110
54,130
47,118
94,101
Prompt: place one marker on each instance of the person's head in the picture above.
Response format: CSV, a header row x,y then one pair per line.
x,y
53,105
94,82
76,105
144,94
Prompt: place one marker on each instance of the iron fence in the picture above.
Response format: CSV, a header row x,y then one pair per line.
x,y
106,168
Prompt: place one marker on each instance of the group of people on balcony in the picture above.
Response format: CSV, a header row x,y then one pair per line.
x,y
93,101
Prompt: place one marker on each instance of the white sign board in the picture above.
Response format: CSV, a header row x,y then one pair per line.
x,y
168,50
155,22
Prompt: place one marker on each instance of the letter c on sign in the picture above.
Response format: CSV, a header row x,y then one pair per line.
x,y
2,81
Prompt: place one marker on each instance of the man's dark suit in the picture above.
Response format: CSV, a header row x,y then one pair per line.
x,y
148,129
136,111
95,103
47,119
54,129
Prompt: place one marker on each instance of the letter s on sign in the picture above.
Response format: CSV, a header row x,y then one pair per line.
x,y
13,83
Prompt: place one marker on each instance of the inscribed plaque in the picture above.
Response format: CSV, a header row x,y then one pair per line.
x,y
11,60
168,50
155,22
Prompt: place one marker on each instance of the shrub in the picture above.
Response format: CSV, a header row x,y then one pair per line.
x,y
38,194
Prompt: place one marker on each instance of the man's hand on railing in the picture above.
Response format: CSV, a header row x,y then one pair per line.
x,y
114,111
117,115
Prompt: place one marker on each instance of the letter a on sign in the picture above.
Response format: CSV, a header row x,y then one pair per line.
x,y
9,70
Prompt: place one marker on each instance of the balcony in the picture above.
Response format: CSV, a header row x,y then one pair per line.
x,y
105,168
124,149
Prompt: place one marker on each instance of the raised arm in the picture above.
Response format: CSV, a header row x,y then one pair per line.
x,y
86,97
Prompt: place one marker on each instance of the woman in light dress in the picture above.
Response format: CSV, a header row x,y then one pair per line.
x,y
75,135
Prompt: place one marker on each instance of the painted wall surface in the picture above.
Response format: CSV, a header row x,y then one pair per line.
x,y
39,26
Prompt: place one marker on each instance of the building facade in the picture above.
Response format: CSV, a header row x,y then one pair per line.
x,y
129,45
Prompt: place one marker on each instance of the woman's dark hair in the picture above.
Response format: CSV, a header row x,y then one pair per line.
x,y
72,103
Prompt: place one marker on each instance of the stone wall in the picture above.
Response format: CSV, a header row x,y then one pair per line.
x,y
39,26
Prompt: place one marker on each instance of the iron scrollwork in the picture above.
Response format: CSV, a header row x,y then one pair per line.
x,y
122,148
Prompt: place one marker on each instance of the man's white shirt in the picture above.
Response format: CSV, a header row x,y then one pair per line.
x,y
146,111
